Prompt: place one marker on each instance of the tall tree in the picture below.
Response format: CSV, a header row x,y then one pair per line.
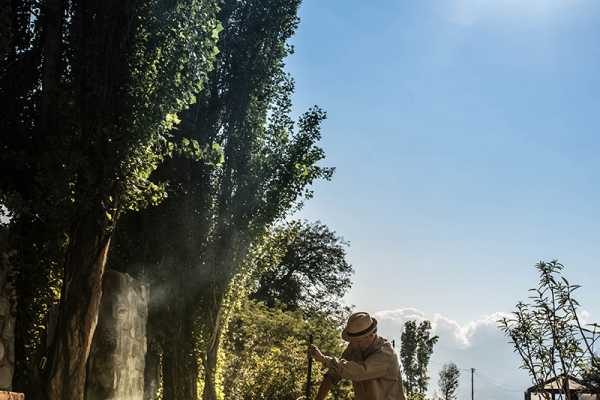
x,y
408,356
311,273
92,90
269,370
425,343
216,211
448,381
415,352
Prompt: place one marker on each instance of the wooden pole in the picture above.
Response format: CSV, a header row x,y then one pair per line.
x,y
309,372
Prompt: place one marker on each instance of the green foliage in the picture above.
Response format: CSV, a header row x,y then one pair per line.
x,y
171,63
311,272
591,374
415,396
425,343
548,333
78,142
114,107
264,350
265,353
87,120
448,381
37,280
415,352
215,213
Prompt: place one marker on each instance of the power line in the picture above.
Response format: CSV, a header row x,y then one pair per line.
x,y
488,380
498,385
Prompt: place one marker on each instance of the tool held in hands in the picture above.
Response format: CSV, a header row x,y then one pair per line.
x,y
309,372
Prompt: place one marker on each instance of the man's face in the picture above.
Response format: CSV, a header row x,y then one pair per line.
x,y
363,342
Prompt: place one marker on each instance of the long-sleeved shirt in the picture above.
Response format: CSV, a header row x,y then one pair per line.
x,y
375,372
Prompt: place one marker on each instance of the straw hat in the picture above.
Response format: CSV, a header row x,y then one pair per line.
x,y
359,324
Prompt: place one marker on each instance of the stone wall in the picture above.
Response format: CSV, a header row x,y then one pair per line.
x,y
11,396
116,364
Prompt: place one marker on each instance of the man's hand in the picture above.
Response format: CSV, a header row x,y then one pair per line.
x,y
316,354
324,389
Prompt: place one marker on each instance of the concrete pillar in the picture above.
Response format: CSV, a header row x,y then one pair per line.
x,y
116,364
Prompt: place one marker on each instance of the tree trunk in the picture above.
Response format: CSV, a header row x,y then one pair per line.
x,y
79,307
180,368
51,52
212,351
152,370
180,361
210,369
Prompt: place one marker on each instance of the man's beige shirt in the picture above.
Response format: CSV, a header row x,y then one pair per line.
x,y
375,373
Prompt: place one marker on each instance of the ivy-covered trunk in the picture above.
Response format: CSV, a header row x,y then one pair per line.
x,y
80,301
210,369
215,312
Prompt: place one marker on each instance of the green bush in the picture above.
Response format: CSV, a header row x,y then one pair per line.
x,y
264,353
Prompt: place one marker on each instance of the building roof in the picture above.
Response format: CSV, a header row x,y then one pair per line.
x,y
558,383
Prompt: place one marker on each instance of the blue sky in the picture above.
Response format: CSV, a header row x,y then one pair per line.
x,y
465,137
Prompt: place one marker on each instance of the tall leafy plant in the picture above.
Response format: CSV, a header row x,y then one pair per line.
x,y
548,332
416,349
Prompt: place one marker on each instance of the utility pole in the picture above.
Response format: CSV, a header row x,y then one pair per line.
x,y
472,386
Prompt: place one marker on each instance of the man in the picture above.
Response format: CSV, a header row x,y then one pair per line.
x,y
369,362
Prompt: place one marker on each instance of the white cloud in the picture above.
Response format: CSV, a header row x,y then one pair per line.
x,y
461,335
585,317
476,344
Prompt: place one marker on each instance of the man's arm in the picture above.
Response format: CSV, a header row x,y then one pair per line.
x,y
373,367
324,388
330,378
